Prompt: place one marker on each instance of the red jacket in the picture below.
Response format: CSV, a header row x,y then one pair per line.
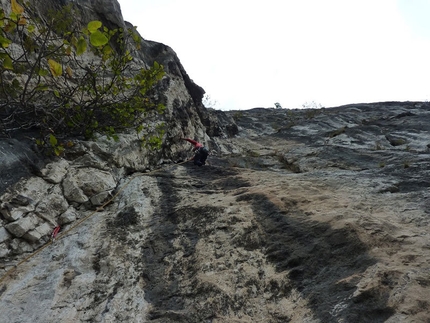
x,y
196,144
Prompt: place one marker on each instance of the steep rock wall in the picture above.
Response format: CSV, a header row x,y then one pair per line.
x,y
39,193
185,115
313,216
300,216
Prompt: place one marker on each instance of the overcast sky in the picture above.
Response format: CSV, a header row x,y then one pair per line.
x,y
248,53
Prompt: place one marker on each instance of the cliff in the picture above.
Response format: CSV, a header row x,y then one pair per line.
x,y
307,216
317,215
184,115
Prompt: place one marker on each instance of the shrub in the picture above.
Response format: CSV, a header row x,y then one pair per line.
x,y
238,115
47,83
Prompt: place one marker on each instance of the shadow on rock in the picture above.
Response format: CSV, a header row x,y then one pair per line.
x,y
169,260
320,261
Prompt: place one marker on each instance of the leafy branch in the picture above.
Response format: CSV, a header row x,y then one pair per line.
x,y
69,81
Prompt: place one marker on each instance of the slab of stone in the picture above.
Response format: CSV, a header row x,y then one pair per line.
x,y
23,225
35,235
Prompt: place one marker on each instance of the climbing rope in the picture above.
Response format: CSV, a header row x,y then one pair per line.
x,y
61,235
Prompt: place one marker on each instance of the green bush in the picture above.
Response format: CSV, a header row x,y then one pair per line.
x,y
46,83
238,115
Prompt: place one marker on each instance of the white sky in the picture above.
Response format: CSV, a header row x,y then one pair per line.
x,y
249,53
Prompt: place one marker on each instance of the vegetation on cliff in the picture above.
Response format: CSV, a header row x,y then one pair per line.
x,y
65,80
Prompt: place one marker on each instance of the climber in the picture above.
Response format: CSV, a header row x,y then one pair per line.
x,y
201,152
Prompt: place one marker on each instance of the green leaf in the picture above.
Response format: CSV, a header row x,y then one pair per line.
x,y
13,16
98,39
107,50
93,26
55,68
16,8
81,46
7,63
42,72
58,150
5,42
52,140
74,41
135,37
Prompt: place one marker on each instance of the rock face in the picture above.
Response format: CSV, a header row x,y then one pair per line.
x,y
185,115
318,215
303,216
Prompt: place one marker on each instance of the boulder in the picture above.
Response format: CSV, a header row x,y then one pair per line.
x,y
72,191
82,184
69,216
55,172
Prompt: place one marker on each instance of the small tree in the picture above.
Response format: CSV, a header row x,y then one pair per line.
x,y
47,82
